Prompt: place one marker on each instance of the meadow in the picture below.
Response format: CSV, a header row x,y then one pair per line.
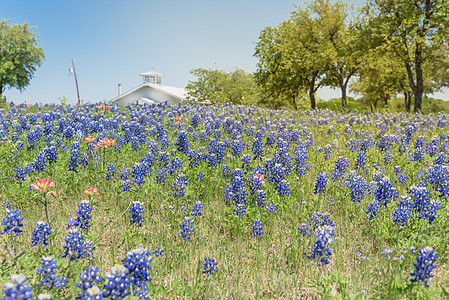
x,y
222,202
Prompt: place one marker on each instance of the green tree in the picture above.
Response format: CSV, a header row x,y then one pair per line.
x,y
20,55
217,86
343,43
314,48
415,31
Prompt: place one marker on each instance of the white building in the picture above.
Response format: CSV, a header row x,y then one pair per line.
x,y
151,91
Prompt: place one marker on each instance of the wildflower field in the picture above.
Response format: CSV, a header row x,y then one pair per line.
x,y
216,202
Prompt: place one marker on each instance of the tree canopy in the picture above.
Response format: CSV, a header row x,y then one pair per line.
x,y
20,55
215,85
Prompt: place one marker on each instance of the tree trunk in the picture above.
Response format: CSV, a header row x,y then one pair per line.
x,y
419,82
344,103
295,105
407,99
312,90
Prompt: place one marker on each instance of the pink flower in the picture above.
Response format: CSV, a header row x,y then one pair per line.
x,y
90,139
43,184
91,191
105,143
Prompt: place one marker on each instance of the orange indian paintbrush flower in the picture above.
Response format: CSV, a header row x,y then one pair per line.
x,y
91,191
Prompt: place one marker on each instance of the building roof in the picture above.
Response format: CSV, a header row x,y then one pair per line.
x,y
150,73
170,90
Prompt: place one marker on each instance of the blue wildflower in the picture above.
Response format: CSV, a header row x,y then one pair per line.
x,y
136,213
186,228
209,266
137,262
424,265
321,183
257,228
118,283
197,208
40,234
48,270
18,288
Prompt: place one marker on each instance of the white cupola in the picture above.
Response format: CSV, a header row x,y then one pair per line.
x,y
151,77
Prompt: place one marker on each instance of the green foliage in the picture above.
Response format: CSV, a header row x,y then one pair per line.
x,y
217,86
416,33
20,55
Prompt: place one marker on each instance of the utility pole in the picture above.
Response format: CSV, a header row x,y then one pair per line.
x,y
76,82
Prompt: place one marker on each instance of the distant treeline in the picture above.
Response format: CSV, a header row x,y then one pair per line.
x,y
382,52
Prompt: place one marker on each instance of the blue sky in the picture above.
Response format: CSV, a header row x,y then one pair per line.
x,y
113,41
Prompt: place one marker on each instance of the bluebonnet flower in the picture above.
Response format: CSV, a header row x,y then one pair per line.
x,y
183,142
359,187
301,160
257,148
40,163
438,176
315,221
431,211
321,248
20,175
197,208
321,183
88,279
137,262
193,158
48,271
402,212
304,229
83,215
420,197
159,252
17,288
327,152
136,213
226,171
387,159
127,186
340,168
110,172
125,173
76,247
261,197
161,175
246,162
283,188
237,148
12,222
424,265
257,228
402,178
118,283
186,228
360,160
74,157
271,208
240,210
397,170
178,187
175,165
195,121
40,234
200,176
384,192
209,266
